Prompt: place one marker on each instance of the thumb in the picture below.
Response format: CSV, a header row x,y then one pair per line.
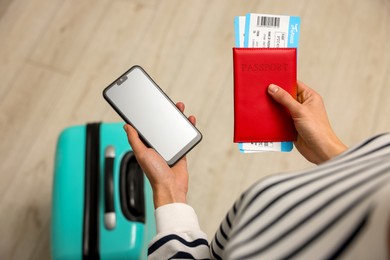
x,y
133,138
283,97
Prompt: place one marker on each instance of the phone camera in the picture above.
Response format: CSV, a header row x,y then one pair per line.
x,y
121,80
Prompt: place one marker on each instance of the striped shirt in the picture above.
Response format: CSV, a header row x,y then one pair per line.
x,y
339,209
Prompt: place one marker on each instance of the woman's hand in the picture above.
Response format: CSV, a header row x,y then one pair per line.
x,y
316,140
169,184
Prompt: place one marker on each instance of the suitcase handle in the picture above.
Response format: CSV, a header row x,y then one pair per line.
x,y
90,247
132,189
109,209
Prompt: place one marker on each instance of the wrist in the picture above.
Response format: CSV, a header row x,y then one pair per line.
x,y
165,195
334,148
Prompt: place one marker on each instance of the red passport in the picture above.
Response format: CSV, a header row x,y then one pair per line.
x,y
257,117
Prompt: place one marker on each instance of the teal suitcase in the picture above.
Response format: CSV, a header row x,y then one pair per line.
x,y
102,205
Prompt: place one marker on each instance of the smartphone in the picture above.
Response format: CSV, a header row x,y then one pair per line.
x,y
160,124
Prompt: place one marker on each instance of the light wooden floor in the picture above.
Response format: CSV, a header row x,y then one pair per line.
x,y
56,56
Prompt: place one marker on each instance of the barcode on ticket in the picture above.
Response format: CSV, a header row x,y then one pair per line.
x,y
263,144
265,21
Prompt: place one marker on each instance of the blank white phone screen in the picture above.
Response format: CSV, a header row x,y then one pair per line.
x,y
152,114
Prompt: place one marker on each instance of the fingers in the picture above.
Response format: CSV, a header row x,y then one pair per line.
x,y
181,107
302,87
192,120
283,97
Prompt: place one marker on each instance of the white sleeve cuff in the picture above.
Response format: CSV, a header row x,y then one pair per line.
x,y
176,217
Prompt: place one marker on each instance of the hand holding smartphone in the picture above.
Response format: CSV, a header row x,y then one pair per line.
x,y
142,103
